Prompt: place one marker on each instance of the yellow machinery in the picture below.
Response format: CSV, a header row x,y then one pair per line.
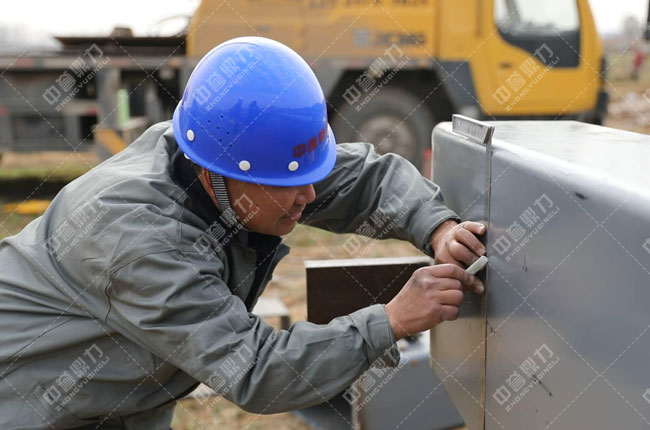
x,y
391,69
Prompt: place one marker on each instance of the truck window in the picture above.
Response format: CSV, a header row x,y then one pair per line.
x,y
550,25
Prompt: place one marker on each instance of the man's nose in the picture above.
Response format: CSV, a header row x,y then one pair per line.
x,y
306,195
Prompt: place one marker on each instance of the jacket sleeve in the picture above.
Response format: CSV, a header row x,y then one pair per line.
x,y
380,196
179,308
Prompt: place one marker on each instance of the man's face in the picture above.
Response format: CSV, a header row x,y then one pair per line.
x,y
268,209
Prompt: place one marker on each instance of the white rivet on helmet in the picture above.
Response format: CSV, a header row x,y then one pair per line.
x,y
244,165
190,135
293,166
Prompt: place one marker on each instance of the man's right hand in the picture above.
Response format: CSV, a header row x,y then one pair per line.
x,y
431,296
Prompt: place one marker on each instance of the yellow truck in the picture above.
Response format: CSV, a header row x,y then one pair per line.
x,y
391,69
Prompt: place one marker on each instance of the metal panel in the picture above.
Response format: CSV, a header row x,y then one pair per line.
x,y
411,396
569,247
461,170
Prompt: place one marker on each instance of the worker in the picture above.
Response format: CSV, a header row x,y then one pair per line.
x,y
139,280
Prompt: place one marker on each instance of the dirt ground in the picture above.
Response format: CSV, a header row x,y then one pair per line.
x,y
629,110
191,415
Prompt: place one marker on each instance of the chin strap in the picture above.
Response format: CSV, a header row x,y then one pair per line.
x,y
221,193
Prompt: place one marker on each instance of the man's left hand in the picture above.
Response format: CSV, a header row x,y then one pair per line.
x,y
456,243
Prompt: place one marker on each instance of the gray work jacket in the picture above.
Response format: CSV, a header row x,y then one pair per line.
x,y
121,298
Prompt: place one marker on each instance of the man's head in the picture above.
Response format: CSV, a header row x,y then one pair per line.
x,y
260,208
261,135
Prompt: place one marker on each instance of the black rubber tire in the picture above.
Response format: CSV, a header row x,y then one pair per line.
x,y
398,115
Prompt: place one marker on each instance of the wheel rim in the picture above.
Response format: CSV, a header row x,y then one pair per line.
x,y
389,134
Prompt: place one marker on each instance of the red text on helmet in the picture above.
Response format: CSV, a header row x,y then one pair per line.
x,y
311,145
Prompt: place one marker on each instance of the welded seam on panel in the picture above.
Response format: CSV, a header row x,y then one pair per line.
x,y
481,133
486,217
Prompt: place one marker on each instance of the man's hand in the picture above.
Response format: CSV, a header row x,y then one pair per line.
x,y
432,295
457,244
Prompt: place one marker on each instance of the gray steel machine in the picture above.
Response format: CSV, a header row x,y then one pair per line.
x,y
560,339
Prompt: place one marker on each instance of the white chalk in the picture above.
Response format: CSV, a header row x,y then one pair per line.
x,y
477,266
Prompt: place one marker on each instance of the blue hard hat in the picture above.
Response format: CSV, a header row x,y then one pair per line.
x,y
253,110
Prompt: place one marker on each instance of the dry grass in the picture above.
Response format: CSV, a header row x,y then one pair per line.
x,y
191,415
12,223
48,165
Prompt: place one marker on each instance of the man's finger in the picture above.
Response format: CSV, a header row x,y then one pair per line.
x,y
469,240
451,297
470,282
454,272
449,284
449,313
461,253
474,227
479,288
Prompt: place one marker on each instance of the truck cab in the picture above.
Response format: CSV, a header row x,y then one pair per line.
x,y
392,69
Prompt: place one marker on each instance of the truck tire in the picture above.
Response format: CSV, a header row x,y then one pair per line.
x,y
394,120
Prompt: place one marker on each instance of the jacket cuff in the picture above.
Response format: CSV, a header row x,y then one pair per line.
x,y
381,348
425,227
